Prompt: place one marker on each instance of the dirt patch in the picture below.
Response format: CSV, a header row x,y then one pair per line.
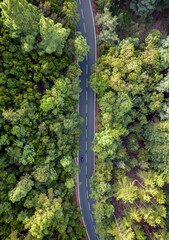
x,y
160,21
119,207
40,87
157,20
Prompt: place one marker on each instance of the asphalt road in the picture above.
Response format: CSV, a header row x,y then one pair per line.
x,y
87,111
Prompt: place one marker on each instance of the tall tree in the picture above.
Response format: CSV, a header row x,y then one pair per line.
x,y
53,36
156,136
25,26
21,189
108,25
81,47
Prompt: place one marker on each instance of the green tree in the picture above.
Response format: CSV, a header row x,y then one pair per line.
x,y
132,142
106,143
124,189
70,12
22,188
52,100
141,7
81,47
44,174
164,51
121,229
53,36
48,212
108,25
25,26
163,86
156,140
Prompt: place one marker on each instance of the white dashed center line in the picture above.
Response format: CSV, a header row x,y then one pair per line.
x,y
86,68
86,157
91,217
84,26
82,13
89,206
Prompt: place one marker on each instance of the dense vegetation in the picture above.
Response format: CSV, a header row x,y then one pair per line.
x,y
130,185
39,125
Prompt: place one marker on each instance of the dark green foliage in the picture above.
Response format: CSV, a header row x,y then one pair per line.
x,y
157,139
164,51
32,25
39,125
131,90
107,24
21,190
133,162
132,142
141,7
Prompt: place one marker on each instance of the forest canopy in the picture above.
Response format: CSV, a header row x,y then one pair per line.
x,y
39,124
130,184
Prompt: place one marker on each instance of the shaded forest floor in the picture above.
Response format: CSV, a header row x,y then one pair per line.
x,y
158,20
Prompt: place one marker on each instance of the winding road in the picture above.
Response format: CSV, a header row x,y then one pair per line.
x,y
87,110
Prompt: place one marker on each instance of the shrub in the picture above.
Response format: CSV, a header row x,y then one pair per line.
x,y
141,7
143,155
133,162
132,142
164,51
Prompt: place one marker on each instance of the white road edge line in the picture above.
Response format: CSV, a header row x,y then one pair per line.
x,y
80,1
95,66
82,13
84,222
84,26
87,194
79,194
89,206
94,228
86,182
